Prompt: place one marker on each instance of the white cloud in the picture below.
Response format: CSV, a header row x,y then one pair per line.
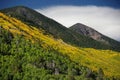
x,y
104,19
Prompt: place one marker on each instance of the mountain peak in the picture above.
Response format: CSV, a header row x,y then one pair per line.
x,y
25,14
20,6
92,33
17,9
82,27
79,25
87,31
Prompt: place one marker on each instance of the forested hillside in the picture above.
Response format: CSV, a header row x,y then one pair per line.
x,y
30,53
33,18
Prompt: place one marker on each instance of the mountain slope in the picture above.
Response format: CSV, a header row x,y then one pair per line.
x,y
87,31
58,31
94,59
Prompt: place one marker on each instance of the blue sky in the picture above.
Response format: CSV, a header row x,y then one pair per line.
x,y
46,3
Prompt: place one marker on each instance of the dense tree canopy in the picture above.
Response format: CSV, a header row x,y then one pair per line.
x,y
21,59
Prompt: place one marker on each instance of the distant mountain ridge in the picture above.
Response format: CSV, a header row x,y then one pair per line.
x,y
87,31
90,32
31,17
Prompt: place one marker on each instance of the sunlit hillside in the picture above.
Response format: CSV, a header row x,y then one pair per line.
x,y
108,60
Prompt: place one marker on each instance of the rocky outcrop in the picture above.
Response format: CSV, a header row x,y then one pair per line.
x,y
87,31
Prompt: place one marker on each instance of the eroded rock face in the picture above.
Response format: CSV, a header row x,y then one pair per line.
x,y
87,31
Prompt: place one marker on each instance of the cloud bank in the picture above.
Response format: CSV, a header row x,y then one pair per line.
x,y
104,19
